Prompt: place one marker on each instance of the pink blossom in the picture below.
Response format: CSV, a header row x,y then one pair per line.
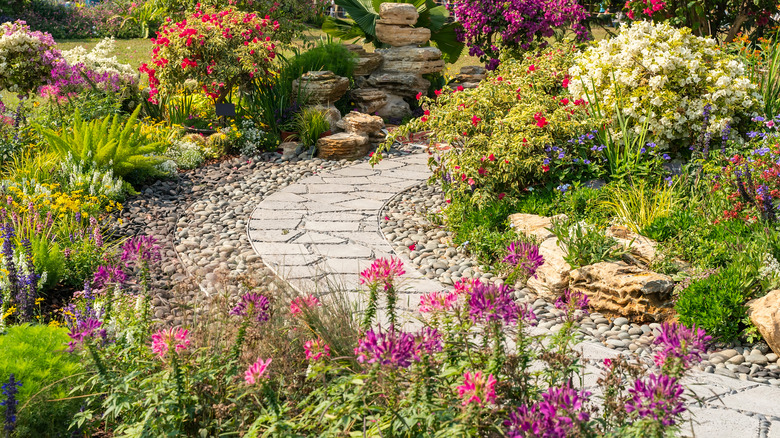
x,y
256,371
299,303
437,301
316,349
163,340
477,388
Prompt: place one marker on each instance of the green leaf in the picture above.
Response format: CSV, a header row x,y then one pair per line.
x,y
446,41
363,12
342,29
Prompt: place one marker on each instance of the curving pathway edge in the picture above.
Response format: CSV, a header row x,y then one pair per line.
x,y
322,231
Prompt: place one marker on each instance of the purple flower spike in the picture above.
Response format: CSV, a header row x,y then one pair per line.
x,y
488,302
394,348
252,305
678,342
659,398
141,249
84,330
558,415
526,256
572,300
106,275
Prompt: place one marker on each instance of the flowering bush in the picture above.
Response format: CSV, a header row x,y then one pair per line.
x,y
26,57
668,75
218,49
517,24
75,21
500,132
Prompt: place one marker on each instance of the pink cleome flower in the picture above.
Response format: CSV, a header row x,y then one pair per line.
x,y
477,388
256,371
315,349
299,303
165,339
437,301
383,271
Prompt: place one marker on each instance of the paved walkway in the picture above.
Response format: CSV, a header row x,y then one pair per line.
x,y
324,230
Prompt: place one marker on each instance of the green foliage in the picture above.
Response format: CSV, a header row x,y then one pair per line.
x,y
310,124
716,303
484,230
107,143
365,13
501,133
585,244
34,354
638,205
326,55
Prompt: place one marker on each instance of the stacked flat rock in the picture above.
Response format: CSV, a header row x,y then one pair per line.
x,y
367,62
368,100
320,87
360,132
470,76
400,74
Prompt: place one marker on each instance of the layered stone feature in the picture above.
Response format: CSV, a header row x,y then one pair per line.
x,y
344,145
367,62
369,100
764,313
320,87
422,60
400,74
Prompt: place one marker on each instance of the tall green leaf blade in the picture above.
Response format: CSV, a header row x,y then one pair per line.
x,y
363,12
446,41
342,29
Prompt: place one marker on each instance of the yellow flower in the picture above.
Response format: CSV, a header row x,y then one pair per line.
x,y
8,312
54,323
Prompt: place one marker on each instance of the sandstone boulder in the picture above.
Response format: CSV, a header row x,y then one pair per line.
x,y
533,225
320,87
289,149
764,312
400,84
343,145
363,124
419,60
367,62
395,108
398,36
331,113
398,13
619,289
552,278
642,250
368,100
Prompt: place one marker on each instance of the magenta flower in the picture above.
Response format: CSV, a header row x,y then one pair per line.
x,y
84,330
659,398
525,256
382,271
437,301
477,388
316,349
141,249
256,371
106,275
306,302
572,300
167,339
488,302
559,414
393,348
252,305
678,342
428,341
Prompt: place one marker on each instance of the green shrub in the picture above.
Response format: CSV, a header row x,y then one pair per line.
x,y
484,231
310,124
34,354
638,205
585,244
107,143
511,133
716,303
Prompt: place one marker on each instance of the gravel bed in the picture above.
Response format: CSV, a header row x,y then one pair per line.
x,y
199,219
409,223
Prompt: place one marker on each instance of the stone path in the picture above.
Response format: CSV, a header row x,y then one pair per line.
x,y
325,229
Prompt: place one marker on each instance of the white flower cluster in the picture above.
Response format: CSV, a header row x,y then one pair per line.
x,y
252,139
186,154
668,75
770,270
26,57
93,181
99,61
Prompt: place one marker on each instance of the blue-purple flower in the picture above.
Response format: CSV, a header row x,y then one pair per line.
x,y
10,389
